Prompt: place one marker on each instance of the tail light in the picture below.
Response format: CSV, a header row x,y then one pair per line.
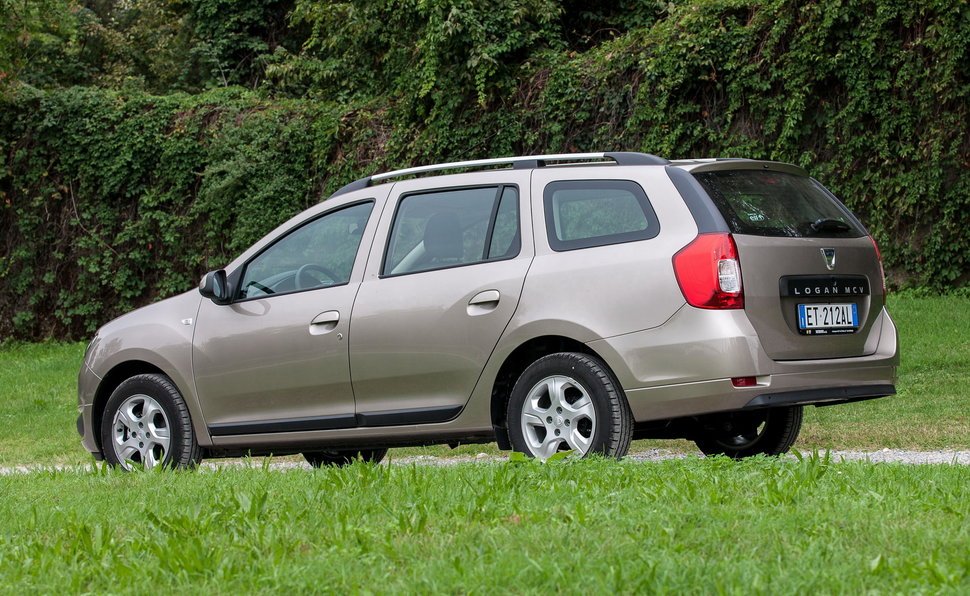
x,y
709,272
882,272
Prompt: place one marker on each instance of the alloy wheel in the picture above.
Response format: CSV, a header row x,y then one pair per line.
x,y
558,414
141,433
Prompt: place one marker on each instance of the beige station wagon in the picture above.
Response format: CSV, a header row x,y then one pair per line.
x,y
548,303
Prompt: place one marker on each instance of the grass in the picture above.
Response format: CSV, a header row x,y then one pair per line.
x,y
932,408
931,411
693,526
38,404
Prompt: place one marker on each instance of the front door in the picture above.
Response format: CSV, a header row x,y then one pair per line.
x,y
276,359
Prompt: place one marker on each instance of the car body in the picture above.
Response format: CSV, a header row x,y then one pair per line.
x,y
651,298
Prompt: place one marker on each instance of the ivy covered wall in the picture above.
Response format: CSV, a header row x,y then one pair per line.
x,y
114,196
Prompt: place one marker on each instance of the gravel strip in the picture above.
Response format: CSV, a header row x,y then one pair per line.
x,y
881,456
906,457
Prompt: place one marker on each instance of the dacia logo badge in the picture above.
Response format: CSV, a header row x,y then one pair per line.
x,y
828,255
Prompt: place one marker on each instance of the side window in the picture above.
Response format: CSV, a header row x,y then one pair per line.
x,y
505,232
586,213
448,228
318,254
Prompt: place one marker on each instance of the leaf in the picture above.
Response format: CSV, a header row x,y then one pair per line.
x,y
517,457
559,456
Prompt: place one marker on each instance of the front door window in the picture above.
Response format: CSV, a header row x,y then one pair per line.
x,y
317,255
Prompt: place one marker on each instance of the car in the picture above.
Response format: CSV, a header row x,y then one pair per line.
x,y
548,303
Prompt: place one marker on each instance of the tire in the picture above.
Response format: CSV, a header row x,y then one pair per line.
x,y
569,401
760,432
146,423
342,457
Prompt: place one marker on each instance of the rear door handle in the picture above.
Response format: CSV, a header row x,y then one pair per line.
x,y
483,302
324,322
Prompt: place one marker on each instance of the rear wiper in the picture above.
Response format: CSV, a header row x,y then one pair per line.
x,y
827,224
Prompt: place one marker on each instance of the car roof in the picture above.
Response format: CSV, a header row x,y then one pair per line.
x,y
622,158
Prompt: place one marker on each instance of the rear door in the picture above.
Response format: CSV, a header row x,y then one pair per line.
x,y
812,280
436,299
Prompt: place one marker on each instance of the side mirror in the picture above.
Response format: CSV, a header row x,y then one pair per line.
x,y
215,287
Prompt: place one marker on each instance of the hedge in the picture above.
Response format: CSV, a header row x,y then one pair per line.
x,y
114,199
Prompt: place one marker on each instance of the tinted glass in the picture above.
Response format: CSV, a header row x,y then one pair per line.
x,y
320,253
767,203
585,213
505,234
449,228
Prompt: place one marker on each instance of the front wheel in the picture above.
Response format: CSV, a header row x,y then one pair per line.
x,y
146,423
342,457
758,432
569,401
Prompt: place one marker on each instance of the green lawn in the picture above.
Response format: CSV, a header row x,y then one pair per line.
x,y
932,410
695,526
38,404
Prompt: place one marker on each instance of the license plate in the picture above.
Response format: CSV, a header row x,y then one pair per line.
x,y
827,319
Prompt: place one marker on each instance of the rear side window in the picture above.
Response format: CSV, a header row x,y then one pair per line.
x,y
768,203
450,228
586,213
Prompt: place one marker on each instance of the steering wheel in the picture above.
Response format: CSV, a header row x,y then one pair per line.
x,y
305,281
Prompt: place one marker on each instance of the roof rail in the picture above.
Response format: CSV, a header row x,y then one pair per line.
x,y
621,158
690,160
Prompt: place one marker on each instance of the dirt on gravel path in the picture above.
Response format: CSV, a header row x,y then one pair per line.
x,y
880,456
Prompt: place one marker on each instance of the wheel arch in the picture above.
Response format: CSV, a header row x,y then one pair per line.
x,y
513,366
115,377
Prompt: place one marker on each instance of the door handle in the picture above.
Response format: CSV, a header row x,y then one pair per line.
x,y
483,302
324,322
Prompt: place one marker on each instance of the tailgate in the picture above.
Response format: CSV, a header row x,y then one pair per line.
x,y
811,278
780,275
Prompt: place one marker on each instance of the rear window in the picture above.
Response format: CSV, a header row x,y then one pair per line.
x,y
586,213
769,203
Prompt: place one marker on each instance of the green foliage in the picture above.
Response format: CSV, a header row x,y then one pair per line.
x,y
31,33
114,198
232,35
840,90
413,47
158,45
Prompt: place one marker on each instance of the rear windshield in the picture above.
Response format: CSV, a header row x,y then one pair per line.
x,y
768,203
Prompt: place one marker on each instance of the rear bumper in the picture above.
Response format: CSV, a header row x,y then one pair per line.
x,y
684,368
821,397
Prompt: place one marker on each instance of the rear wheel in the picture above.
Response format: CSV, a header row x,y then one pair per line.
x,y
569,401
342,457
146,423
743,434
